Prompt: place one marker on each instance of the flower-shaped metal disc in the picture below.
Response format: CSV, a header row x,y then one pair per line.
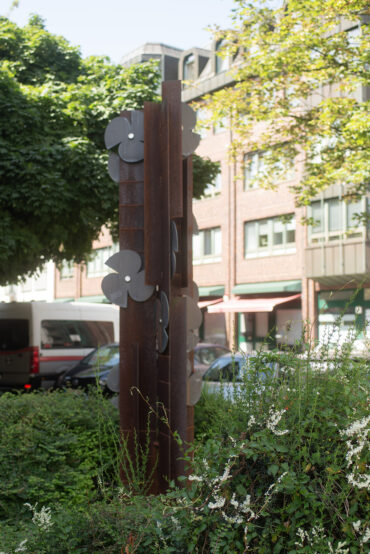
x,y
189,368
194,389
162,320
190,140
113,379
113,167
128,280
128,136
115,401
113,384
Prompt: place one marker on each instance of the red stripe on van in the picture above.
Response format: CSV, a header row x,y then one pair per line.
x,y
8,352
60,358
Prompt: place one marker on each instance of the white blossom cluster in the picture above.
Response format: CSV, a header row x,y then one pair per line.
x,y
20,548
357,434
272,487
240,508
315,538
218,500
233,510
273,421
365,534
251,422
41,518
339,549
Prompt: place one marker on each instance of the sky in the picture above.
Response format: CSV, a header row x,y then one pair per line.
x,y
115,27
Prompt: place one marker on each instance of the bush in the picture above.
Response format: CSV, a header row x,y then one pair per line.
x,y
52,449
293,456
280,469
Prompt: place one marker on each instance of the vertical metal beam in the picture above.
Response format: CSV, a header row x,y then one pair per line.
x,y
138,367
171,92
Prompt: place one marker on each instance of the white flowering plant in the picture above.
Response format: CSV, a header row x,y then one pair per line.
x,y
278,468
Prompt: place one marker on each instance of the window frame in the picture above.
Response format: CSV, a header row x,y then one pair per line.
x,y
222,64
270,249
220,126
67,270
248,177
103,253
215,255
188,67
287,171
346,232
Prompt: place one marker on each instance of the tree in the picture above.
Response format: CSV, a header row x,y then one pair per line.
x,y
55,190
300,70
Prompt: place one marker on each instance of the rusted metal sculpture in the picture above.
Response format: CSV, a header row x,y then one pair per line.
x,y
153,282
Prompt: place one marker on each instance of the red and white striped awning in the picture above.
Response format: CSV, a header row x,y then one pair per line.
x,y
250,304
206,303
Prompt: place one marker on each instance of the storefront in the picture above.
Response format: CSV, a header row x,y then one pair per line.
x,y
268,315
213,328
344,315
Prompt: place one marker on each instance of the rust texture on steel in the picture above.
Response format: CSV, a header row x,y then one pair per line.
x,y
155,221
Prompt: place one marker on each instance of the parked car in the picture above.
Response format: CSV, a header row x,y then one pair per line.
x,y
101,360
36,338
226,374
95,366
206,353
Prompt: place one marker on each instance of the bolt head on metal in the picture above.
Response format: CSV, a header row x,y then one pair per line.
x,y
127,278
131,136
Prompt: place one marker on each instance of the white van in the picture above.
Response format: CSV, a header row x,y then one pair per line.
x,y
37,338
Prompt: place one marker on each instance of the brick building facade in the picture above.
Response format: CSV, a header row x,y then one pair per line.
x,y
259,270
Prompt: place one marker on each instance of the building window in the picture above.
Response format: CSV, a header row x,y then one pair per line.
x,y
220,126
66,270
202,128
207,246
269,237
334,219
257,167
253,167
222,63
214,189
353,36
189,68
96,266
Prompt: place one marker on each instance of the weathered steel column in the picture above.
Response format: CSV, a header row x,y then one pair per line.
x,y
153,284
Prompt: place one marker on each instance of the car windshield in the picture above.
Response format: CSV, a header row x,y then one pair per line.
x,y
104,356
224,369
230,368
259,368
208,354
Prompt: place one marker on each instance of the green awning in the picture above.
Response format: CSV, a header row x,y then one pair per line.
x,y
63,299
271,286
215,290
97,299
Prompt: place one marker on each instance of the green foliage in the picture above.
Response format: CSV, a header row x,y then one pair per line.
x,y
56,193
280,468
205,172
300,77
51,450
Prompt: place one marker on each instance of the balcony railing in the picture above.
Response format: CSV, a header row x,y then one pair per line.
x,y
343,259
